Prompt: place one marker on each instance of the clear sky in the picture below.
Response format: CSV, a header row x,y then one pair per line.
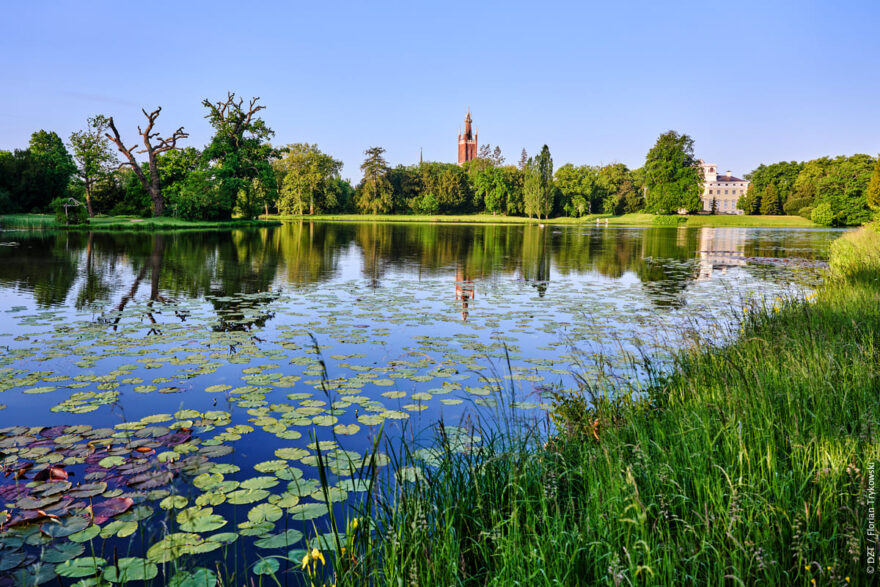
x,y
751,82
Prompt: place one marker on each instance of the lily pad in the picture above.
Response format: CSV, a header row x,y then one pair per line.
x,y
87,566
264,512
265,566
130,569
282,540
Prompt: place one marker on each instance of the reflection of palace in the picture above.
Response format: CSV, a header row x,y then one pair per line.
x,y
720,249
464,290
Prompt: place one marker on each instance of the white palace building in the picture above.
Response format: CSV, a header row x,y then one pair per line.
x,y
726,190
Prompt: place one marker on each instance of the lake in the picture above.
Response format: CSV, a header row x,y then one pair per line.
x,y
178,382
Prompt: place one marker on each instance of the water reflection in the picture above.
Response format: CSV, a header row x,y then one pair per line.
x,y
105,271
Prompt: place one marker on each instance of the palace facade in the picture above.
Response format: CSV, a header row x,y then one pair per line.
x,y
725,190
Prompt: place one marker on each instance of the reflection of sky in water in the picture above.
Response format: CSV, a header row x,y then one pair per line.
x,y
191,311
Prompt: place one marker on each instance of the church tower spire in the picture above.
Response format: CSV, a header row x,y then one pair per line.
x,y
467,141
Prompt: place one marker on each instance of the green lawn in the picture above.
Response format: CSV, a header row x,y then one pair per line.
x,y
35,221
625,220
46,221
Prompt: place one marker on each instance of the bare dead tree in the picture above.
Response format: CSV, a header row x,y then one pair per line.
x,y
154,145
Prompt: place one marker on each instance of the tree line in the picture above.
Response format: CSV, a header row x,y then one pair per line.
x,y
840,191
240,173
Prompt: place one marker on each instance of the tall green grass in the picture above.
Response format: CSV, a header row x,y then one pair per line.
x,y
27,221
745,464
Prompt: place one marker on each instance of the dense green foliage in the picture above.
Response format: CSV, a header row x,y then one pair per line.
x,y
374,193
673,176
538,189
309,181
746,461
832,192
31,178
240,155
239,173
94,156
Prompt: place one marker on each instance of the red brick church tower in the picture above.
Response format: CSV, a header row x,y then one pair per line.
x,y
467,142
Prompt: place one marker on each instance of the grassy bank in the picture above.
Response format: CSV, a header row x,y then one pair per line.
x,y
625,220
101,223
748,464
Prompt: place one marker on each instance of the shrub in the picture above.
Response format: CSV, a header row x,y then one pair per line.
x,y
669,219
823,214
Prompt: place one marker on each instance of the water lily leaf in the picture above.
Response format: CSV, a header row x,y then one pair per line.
x,y
245,496
62,528
255,528
307,511
264,512
87,566
197,578
36,574
335,494
265,566
173,502
85,535
130,569
88,490
291,454
108,462
262,482
207,481
283,540
206,522
346,429
59,553
110,507
10,560
371,419
223,537
173,546
119,528
271,466
354,485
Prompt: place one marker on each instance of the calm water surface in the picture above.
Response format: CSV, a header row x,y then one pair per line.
x,y
204,364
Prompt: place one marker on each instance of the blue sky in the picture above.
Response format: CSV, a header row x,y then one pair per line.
x,y
751,82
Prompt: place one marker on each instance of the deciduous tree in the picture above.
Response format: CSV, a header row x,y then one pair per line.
x,y
672,175
308,180
873,192
240,152
538,190
93,155
154,145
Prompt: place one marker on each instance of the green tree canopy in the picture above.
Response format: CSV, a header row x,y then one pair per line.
x,y
538,188
845,189
782,175
93,154
308,180
496,188
578,189
750,203
672,175
770,201
873,191
374,193
240,153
